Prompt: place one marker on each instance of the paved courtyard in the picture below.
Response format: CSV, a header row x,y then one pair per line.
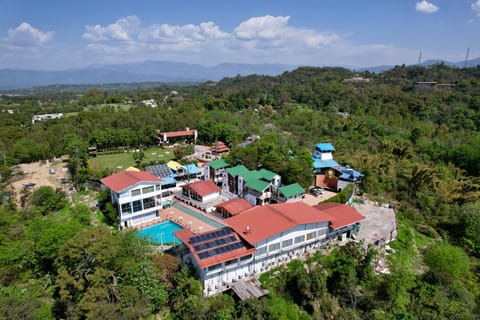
x,y
379,224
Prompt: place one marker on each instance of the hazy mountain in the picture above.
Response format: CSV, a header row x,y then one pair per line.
x,y
157,71
460,64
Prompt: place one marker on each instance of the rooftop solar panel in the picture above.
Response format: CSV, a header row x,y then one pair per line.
x,y
210,235
160,170
203,255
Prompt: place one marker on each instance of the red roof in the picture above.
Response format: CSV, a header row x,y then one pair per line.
x,y
185,236
235,206
219,146
172,134
342,214
203,187
122,180
264,222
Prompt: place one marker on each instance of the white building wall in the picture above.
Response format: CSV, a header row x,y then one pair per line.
x,y
144,215
326,156
210,197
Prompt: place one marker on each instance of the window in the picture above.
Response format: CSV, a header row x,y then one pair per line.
x,y
126,208
158,187
227,263
137,205
246,257
274,247
148,202
135,192
299,239
217,266
287,243
311,235
261,251
147,190
321,232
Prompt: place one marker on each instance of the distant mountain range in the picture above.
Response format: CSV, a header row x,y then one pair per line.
x,y
157,71
148,71
460,64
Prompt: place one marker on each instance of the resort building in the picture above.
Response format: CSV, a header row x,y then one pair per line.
x,y
337,178
186,135
219,147
290,193
328,173
323,158
215,169
203,194
136,195
261,238
256,186
45,117
183,172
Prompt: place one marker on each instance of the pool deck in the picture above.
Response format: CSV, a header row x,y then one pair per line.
x,y
183,219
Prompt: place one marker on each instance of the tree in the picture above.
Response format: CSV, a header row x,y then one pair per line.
x,y
447,263
45,200
143,277
470,226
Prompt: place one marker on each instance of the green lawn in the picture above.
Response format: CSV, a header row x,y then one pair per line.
x,y
121,161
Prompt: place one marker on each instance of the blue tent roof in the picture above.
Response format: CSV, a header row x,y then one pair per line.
x,y
350,174
168,180
325,147
321,164
191,168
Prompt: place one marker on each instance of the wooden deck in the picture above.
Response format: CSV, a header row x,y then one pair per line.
x,y
251,288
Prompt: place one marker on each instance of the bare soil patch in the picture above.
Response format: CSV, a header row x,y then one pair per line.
x,y
42,173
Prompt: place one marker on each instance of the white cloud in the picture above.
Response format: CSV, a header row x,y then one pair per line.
x,y
265,39
121,30
266,27
188,35
26,36
426,7
275,31
476,7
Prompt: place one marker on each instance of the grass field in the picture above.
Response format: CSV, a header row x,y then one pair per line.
x,y
121,161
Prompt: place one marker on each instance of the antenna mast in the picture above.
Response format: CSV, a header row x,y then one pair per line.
x,y
465,64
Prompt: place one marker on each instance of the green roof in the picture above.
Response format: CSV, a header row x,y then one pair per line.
x,y
257,185
238,170
218,164
291,190
267,174
251,175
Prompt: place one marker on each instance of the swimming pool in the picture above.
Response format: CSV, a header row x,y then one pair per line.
x,y
161,233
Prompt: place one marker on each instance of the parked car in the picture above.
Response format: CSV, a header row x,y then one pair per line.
x,y
316,191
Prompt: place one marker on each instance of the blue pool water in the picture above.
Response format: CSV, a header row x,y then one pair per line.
x,y
161,233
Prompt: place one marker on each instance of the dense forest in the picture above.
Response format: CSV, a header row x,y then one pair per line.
x,y
418,148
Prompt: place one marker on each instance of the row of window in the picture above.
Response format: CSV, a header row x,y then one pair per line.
x,y
145,190
288,243
230,262
138,205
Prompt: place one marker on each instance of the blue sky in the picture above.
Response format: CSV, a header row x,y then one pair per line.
x,y
59,34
